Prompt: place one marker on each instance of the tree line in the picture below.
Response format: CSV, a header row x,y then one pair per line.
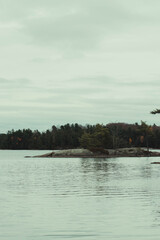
x,y
112,135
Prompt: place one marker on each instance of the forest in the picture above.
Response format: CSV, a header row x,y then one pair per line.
x,y
99,136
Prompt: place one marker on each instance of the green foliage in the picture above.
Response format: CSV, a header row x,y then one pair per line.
x,y
155,111
99,137
95,137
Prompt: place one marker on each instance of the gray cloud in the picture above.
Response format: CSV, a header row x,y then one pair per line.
x,y
78,29
68,26
78,61
83,25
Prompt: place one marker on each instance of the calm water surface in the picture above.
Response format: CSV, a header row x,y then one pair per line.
x,y
78,198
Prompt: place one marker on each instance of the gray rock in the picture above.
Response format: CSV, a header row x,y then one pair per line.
x,y
73,152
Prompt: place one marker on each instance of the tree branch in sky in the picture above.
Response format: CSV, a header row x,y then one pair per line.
x,y
155,111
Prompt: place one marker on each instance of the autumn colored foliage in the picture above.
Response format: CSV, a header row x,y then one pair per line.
x,y
96,137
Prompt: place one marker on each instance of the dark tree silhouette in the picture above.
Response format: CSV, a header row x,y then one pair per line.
x,y
155,111
112,135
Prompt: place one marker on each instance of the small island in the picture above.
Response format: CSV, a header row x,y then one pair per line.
x,y
99,153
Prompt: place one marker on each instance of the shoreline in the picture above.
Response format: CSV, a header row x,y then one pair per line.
x,y
107,153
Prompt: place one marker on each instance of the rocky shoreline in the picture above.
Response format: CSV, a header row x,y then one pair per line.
x,y
106,153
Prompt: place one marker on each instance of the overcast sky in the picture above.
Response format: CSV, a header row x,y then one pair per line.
x,y
84,61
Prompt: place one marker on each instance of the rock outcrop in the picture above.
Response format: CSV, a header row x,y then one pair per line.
x,y
68,153
85,153
129,152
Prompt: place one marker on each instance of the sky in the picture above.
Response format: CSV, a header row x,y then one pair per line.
x,y
78,61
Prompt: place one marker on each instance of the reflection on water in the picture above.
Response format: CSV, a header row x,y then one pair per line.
x,y
78,198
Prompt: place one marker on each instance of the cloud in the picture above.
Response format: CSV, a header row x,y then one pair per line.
x,y
84,61
75,30
71,26
87,98
79,24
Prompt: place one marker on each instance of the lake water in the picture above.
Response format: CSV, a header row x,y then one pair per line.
x,y
78,198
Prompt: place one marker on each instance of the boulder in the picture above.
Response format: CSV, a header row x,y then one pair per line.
x,y
73,152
